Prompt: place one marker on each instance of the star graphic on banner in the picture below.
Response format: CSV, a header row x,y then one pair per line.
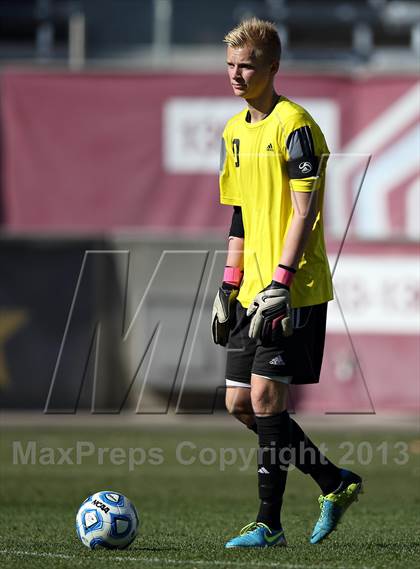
x,y
11,320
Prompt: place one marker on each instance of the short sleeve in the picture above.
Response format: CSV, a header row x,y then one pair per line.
x,y
229,188
305,152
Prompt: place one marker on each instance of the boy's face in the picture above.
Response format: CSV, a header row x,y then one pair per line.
x,y
249,75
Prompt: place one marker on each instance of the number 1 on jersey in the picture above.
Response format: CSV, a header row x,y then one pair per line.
x,y
235,147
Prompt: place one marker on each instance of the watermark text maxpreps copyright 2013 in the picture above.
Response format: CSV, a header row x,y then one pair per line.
x,y
187,453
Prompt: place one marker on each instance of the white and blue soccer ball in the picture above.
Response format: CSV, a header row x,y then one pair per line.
x,y
107,519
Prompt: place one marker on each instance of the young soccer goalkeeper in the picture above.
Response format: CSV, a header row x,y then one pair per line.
x,y
271,309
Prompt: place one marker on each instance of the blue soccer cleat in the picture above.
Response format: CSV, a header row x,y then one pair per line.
x,y
257,534
335,504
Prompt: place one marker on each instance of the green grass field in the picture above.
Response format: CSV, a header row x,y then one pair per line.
x,y
188,511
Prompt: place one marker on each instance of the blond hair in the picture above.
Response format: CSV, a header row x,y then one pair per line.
x,y
260,34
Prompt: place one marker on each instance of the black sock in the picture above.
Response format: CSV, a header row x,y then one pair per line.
x,y
309,459
273,459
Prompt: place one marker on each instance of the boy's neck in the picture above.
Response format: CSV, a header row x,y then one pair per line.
x,y
260,108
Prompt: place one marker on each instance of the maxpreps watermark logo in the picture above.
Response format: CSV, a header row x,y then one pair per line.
x,y
189,454
32,453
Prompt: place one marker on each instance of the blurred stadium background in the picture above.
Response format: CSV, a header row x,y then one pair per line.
x,y
111,117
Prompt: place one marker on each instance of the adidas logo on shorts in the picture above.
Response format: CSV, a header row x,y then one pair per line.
x,y
277,361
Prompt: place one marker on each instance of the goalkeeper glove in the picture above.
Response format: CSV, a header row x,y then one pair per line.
x,y
222,306
270,311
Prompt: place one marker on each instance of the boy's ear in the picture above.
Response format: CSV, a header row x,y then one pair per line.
x,y
275,67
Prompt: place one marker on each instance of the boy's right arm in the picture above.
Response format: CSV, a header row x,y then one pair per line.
x,y
232,277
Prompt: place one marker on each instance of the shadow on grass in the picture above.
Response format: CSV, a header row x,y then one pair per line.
x,y
414,545
140,549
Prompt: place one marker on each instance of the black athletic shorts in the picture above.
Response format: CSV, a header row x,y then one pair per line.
x,y
296,359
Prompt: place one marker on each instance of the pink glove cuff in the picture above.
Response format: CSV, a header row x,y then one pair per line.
x,y
233,276
283,276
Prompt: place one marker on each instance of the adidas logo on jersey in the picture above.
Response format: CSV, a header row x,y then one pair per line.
x,y
277,361
263,470
270,148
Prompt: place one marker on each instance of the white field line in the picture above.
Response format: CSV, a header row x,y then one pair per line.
x,y
165,561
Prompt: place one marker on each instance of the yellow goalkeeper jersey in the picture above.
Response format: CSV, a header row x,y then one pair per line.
x,y
261,163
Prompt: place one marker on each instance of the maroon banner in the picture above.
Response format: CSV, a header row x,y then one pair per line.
x,y
97,152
